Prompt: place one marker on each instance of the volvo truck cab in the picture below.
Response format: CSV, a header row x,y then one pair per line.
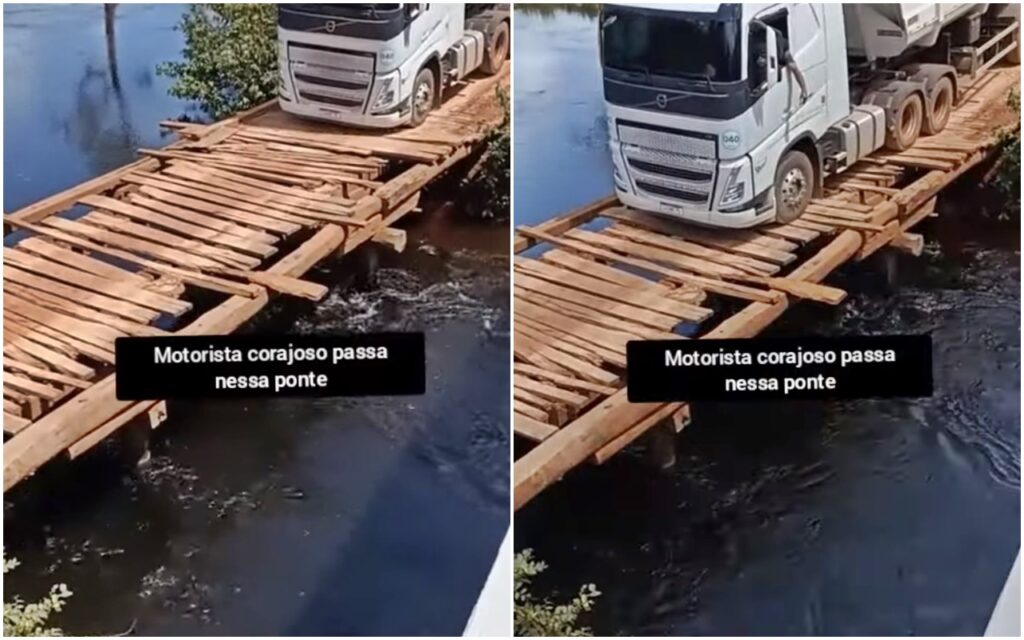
x,y
383,65
731,114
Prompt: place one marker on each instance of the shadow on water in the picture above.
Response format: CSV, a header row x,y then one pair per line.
x,y
284,516
864,518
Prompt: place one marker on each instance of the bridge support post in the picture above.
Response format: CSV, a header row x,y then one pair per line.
x,y
890,266
135,436
661,445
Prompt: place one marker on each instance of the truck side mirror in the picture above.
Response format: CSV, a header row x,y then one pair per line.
x,y
772,53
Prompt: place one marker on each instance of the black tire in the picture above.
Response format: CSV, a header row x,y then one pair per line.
x,y
794,186
497,51
909,119
941,101
424,96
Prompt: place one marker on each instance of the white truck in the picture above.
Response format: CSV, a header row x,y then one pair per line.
x,y
732,115
383,65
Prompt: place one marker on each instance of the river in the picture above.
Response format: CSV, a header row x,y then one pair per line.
x,y
877,517
265,517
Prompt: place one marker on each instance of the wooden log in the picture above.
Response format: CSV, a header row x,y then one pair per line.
x,y
532,428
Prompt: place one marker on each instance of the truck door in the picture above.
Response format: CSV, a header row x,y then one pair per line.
x,y
800,31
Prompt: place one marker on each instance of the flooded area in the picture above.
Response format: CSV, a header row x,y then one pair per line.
x,y
281,516
877,517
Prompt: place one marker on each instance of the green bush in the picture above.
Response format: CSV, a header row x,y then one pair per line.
x,y
535,617
31,619
488,183
1008,177
230,57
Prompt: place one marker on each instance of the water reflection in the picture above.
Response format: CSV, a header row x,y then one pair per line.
x,y
80,92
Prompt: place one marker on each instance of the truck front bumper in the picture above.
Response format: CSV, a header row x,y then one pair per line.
x,y
742,219
325,112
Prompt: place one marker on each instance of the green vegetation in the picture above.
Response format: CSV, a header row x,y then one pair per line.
x,y
487,184
230,57
1007,179
32,619
535,617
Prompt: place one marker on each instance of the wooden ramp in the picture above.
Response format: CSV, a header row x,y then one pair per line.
x,y
241,209
611,274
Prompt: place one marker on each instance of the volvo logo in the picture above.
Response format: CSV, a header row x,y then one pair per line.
x,y
330,26
661,101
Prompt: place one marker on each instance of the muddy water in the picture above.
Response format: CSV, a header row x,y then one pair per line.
x,y
333,516
866,517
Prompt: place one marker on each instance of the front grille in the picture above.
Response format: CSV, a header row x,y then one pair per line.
x,y
341,102
331,76
330,82
673,141
668,163
673,172
675,194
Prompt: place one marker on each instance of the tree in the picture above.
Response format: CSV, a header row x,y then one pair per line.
x,y
230,57
534,617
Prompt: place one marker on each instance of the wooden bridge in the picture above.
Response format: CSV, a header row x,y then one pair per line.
x,y
192,240
612,274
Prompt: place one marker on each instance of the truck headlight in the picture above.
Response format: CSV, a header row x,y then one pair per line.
x,y
385,94
735,189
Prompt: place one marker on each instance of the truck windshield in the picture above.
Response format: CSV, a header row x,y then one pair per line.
x,y
346,10
691,46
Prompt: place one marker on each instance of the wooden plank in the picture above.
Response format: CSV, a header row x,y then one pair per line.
x,y
562,380
731,261
636,296
99,434
29,386
602,271
841,222
173,224
51,357
591,316
551,392
193,277
152,235
524,409
724,288
240,184
14,423
276,225
742,242
45,374
270,204
74,309
240,231
130,243
530,427
95,300
106,286
558,225
81,261
625,310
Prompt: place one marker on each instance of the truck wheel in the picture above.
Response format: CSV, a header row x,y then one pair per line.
x,y
909,117
497,51
422,96
942,105
794,184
